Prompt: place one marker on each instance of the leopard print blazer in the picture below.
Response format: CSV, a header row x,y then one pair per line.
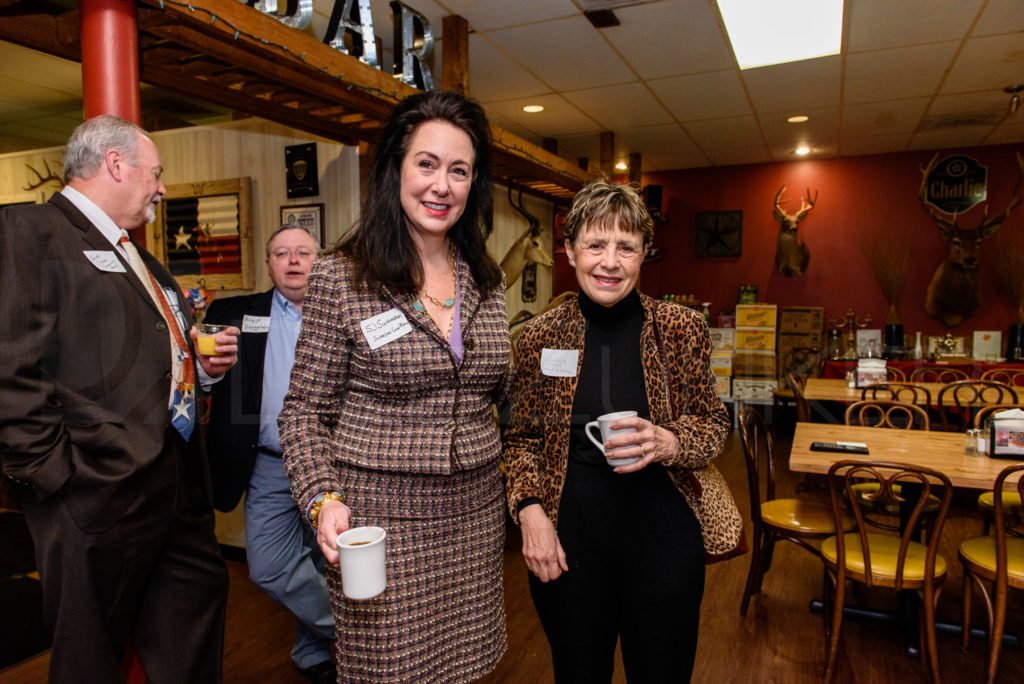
x,y
677,373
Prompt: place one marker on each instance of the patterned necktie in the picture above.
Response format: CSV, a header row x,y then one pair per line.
x,y
183,404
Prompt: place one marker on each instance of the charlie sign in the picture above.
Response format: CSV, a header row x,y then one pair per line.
x,y
350,31
956,184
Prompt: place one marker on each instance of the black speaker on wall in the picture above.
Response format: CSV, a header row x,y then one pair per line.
x,y
652,200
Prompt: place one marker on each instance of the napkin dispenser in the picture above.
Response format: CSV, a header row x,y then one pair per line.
x,y
1006,434
870,371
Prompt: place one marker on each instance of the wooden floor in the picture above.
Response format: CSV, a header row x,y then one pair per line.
x,y
780,640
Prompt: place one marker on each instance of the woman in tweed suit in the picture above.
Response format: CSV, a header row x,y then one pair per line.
x,y
388,421
617,552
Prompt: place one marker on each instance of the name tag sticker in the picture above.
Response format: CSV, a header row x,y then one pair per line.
x,y
104,261
559,363
385,327
255,324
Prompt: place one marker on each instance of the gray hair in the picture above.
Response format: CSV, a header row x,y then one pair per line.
x,y
91,140
281,229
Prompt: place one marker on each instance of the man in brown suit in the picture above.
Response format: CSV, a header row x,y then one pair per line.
x,y
97,384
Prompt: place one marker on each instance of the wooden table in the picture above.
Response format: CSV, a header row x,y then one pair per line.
x,y
942,451
827,389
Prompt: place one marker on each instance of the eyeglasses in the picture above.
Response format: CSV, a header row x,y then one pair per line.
x,y
301,253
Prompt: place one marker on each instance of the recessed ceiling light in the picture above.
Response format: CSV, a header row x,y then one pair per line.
x,y
802,150
621,166
533,109
799,118
765,33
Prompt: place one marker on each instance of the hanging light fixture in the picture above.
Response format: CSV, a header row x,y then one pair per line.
x,y
1014,92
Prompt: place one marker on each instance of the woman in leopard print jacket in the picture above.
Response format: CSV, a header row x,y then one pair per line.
x,y
617,551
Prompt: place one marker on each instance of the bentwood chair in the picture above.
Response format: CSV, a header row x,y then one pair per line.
x,y
796,520
998,560
886,558
895,415
967,396
986,500
889,414
898,391
894,374
932,374
797,365
1007,376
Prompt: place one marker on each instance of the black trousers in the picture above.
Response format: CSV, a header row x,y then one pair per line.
x,y
155,575
636,573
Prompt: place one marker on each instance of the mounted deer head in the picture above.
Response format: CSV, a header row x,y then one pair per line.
x,y
41,180
528,249
791,255
953,293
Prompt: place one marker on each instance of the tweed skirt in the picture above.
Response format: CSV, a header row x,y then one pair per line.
x,y
442,616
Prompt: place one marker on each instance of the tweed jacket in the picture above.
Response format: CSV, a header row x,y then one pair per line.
x,y
407,406
676,373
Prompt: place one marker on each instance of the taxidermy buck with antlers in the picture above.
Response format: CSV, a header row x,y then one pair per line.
x,y
792,255
528,249
953,293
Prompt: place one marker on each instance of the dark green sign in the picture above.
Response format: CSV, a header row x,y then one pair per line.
x,y
956,184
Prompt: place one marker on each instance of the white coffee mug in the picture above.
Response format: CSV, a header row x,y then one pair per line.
x,y
603,424
361,552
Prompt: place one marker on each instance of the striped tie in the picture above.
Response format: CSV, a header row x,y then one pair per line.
x,y
183,404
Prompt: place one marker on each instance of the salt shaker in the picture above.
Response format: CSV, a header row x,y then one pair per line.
x,y
971,442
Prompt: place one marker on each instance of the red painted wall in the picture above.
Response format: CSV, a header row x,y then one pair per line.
x,y
859,198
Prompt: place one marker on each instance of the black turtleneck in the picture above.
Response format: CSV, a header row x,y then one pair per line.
x,y
612,377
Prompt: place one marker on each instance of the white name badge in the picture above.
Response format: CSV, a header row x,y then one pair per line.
x,y
385,327
255,324
104,261
559,363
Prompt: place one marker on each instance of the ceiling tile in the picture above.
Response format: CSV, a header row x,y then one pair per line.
x,y
488,16
873,119
670,38
702,96
564,53
821,126
870,76
1010,131
621,106
874,144
665,139
723,134
682,160
947,138
739,155
493,75
988,63
559,117
795,86
1000,16
879,24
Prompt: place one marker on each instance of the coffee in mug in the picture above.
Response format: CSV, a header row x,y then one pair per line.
x,y
361,555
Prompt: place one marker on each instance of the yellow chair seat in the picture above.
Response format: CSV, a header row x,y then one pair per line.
x,y
1011,500
981,551
865,488
807,517
884,553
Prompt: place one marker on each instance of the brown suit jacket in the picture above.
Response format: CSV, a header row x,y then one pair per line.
x,y
85,376
408,406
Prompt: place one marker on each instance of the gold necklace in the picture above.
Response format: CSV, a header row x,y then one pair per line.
x,y
446,304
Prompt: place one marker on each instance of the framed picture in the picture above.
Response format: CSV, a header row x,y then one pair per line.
x,y
718,234
308,216
203,233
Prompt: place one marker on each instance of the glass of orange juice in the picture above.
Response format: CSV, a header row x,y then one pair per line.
x,y
206,344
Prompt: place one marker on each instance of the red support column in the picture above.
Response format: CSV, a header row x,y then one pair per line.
x,y
110,59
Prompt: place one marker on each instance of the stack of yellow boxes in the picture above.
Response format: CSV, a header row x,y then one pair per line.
x,y
799,326
754,366
723,346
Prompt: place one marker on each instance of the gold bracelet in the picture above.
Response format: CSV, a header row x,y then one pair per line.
x,y
318,503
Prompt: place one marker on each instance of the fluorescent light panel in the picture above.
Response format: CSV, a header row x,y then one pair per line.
x,y
780,31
